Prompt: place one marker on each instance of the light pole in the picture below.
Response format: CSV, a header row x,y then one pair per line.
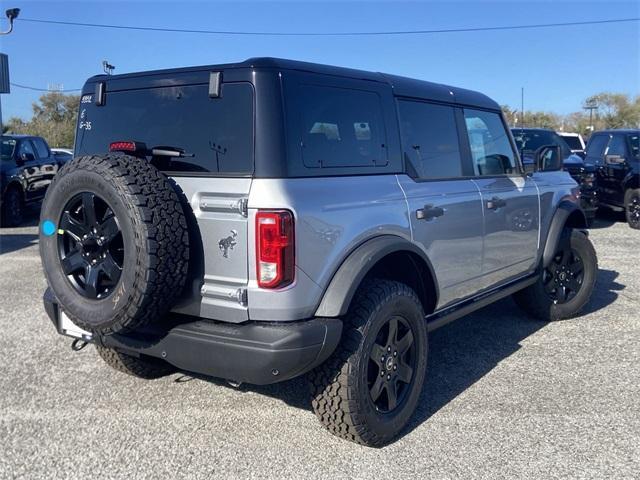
x,y
591,105
5,86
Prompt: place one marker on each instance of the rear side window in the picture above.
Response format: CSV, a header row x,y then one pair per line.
x,y
617,146
341,127
491,149
597,145
41,148
215,133
430,140
26,147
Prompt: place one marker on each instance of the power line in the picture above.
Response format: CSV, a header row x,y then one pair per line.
x,y
36,89
330,34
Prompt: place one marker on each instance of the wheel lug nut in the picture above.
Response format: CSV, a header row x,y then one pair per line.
x,y
388,349
395,354
382,373
395,367
382,359
388,377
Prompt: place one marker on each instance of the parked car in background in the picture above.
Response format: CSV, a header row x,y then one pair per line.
x,y
27,167
575,142
63,155
616,154
529,140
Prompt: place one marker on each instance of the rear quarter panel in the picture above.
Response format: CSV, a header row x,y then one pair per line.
x,y
333,215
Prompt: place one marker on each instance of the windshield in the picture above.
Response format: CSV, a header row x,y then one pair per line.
x,y
8,147
573,142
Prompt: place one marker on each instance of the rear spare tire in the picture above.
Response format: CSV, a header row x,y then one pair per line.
x,y
114,242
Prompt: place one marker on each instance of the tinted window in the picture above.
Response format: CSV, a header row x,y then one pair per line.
x,y
573,142
41,148
617,146
8,146
491,150
528,141
218,132
342,128
25,147
430,139
596,145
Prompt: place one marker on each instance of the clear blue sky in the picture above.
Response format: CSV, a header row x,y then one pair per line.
x,y
558,68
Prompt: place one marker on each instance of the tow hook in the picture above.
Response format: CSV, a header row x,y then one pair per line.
x,y
78,344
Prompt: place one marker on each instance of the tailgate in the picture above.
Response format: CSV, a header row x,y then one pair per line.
x,y
220,263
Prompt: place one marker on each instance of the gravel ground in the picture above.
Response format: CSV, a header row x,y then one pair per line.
x,y
505,397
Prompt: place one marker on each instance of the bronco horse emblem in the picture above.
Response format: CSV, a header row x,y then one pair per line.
x,y
228,243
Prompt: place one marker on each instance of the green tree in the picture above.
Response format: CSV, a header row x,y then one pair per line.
x,y
54,119
616,110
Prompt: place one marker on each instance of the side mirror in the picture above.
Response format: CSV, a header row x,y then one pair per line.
x,y
548,158
614,159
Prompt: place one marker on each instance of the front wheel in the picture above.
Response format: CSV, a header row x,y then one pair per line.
x,y
566,284
632,208
367,391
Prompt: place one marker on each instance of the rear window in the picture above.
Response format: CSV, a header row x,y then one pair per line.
x,y
216,134
41,148
341,128
573,142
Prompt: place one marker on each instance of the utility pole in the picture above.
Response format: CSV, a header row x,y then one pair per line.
x,y
591,105
5,83
522,106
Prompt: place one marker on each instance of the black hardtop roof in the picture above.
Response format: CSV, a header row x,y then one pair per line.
x,y
618,130
402,86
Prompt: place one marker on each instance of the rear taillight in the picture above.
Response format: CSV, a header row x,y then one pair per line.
x,y
274,248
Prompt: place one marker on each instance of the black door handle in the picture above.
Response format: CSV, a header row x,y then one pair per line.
x,y
496,203
429,212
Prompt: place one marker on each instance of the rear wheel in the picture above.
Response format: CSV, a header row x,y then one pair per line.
x,y
117,254
12,208
141,367
565,285
367,391
632,207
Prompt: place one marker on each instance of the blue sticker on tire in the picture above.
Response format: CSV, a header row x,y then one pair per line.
x,y
48,227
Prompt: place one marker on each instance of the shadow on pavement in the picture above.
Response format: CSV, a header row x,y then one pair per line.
x,y
460,353
12,242
606,218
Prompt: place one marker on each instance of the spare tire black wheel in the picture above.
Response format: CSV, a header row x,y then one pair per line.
x,y
114,242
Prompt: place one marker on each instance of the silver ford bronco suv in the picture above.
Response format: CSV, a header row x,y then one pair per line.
x,y
271,218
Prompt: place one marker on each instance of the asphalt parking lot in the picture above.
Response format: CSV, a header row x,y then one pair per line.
x,y
505,397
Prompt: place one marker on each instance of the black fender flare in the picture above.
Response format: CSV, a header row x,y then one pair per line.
x,y
558,222
346,280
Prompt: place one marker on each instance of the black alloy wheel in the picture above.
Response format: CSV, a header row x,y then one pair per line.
x,y
563,278
90,245
633,211
391,365
13,208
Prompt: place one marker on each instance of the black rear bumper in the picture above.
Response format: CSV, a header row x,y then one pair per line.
x,y
254,352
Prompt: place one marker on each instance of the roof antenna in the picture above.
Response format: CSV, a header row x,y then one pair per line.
x,y
107,67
